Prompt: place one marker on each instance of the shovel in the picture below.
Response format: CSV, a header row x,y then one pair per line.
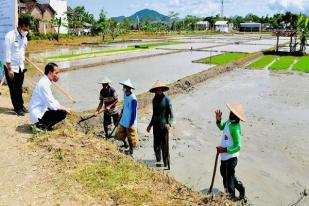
x,y
213,175
83,119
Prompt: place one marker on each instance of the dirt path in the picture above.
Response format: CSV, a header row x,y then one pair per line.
x,y
23,172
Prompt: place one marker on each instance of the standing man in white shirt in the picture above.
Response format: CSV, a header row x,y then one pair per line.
x,y
14,57
45,110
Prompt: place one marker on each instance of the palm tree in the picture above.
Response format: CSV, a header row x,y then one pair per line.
x,y
303,29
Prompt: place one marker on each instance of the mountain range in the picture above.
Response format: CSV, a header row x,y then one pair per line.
x,y
144,15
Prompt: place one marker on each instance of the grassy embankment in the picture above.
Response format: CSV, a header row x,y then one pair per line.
x,y
135,48
93,171
222,58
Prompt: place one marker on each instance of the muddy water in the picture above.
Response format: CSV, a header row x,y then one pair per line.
x,y
101,59
246,48
273,162
83,84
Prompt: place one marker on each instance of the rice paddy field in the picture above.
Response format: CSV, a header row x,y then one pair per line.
x,y
282,63
133,48
263,62
222,58
302,65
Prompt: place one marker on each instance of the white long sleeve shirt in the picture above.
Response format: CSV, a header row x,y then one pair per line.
x,y
14,50
42,100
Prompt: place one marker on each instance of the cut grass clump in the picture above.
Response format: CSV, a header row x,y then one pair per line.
x,y
283,63
263,62
222,58
122,178
157,44
302,65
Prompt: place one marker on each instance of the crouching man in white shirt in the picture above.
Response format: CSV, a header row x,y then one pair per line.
x,y
45,111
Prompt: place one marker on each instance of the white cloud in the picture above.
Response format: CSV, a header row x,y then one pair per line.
x,y
295,6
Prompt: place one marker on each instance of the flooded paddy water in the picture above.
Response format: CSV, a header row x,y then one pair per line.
x,y
83,84
144,67
273,162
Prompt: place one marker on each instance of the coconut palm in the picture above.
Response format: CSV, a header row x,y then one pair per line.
x,y
303,29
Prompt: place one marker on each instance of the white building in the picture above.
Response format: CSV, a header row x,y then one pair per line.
x,y
61,7
223,26
202,25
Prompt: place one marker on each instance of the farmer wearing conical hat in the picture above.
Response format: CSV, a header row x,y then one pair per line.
x,y
128,121
108,98
161,121
229,148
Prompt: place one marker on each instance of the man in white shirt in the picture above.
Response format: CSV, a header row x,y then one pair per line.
x,y
14,57
45,110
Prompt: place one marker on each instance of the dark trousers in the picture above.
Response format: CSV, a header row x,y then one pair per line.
x,y
230,182
160,143
16,90
50,118
108,121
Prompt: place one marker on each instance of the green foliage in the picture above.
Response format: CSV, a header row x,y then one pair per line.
x,y
47,36
189,22
222,58
302,64
263,62
303,29
78,16
283,63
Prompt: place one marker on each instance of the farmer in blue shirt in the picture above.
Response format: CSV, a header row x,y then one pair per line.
x,y
128,119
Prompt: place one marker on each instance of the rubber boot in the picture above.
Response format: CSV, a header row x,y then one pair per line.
x,y
241,189
106,131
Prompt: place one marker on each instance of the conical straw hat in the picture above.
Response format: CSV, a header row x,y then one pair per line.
x,y
157,85
238,110
105,80
127,83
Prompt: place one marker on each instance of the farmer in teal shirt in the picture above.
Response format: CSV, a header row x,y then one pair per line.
x,y
161,121
229,148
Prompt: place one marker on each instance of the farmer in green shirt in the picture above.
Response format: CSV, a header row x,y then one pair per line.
x,y
229,148
161,121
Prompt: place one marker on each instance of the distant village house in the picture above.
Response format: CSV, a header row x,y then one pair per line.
x,y
223,26
202,25
250,27
43,12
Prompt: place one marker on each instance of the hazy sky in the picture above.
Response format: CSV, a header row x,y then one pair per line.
x,y
194,7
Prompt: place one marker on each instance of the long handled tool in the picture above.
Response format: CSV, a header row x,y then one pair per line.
x,y
214,174
56,85
111,134
83,119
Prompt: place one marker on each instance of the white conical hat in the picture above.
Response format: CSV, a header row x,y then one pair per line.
x,y
157,85
105,80
238,110
127,83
